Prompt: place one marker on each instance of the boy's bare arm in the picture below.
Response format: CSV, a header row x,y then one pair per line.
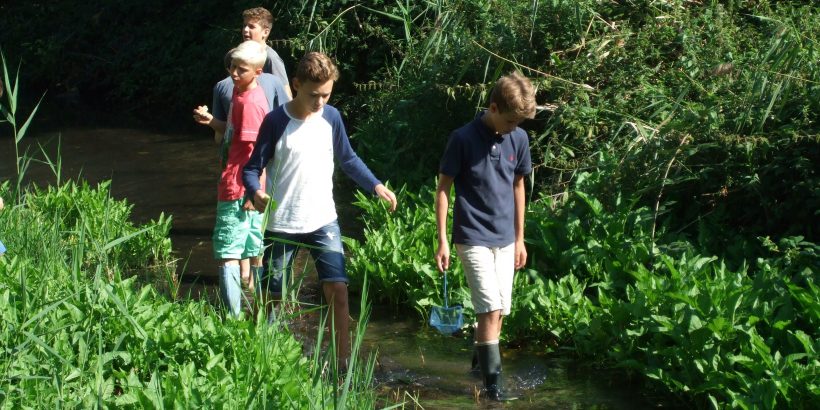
x,y
442,206
520,208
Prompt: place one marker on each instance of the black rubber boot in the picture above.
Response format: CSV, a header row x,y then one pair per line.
x,y
489,358
493,390
475,368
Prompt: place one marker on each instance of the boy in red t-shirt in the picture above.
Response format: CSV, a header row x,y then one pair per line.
x,y
238,232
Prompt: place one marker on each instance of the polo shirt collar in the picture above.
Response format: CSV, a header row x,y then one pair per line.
x,y
486,131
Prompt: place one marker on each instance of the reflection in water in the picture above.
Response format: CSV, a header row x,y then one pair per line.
x,y
177,174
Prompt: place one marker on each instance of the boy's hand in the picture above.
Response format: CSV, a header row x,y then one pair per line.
x,y
202,116
520,254
443,257
260,202
387,195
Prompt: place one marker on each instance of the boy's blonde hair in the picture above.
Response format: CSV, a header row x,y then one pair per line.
x,y
316,67
514,92
259,14
249,52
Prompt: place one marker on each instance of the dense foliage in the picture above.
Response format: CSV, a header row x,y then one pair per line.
x,y
745,337
672,226
710,104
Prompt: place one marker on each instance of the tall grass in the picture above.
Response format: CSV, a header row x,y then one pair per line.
x,y
9,113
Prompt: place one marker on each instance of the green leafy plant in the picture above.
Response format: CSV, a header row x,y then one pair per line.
x,y
396,256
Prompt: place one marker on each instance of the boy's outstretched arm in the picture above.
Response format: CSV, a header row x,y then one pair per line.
x,y
202,116
442,206
520,208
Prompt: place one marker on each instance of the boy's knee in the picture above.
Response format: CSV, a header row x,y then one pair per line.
x,y
335,290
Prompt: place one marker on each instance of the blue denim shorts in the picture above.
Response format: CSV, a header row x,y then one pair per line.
x,y
324,244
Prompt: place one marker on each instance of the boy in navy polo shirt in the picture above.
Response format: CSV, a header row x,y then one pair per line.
x,y
487,159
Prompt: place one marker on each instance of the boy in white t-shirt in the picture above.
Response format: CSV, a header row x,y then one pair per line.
x,y
297,146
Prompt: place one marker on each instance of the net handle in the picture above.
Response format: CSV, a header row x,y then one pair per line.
x,y
445,290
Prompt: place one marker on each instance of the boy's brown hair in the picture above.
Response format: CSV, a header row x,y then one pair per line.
x,y
316,67
259,14
514,92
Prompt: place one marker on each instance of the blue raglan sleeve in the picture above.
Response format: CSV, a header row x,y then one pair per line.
x,y
350,163
262,153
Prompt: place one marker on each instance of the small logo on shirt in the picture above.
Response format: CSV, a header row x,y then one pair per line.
x,y
512,158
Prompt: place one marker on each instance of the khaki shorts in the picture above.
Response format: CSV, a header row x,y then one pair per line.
x,y
489,273
237,233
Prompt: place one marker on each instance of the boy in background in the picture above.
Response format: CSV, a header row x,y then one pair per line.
x,y
487,159
238,232
298,143
256,25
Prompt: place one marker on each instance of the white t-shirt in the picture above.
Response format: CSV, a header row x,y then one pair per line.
x,y
299,157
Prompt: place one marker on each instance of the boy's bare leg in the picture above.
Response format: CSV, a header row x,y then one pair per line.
x,y
336,295
254,262
254,274
245,270
489,326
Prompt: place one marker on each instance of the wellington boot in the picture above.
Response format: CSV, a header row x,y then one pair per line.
x,y
489,359
475,367
493,390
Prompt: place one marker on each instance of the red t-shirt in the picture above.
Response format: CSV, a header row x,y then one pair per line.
x,y
248,109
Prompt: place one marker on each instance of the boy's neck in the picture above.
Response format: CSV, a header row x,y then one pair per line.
x,y
485,118
251,85
297,111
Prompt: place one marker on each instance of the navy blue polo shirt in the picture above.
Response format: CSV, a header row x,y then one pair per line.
x,y
483,166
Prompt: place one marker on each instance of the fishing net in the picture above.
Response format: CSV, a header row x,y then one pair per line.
x,y
446,319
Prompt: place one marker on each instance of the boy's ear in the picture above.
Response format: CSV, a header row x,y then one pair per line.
x,y
265,33
258,71
296,84
493,108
